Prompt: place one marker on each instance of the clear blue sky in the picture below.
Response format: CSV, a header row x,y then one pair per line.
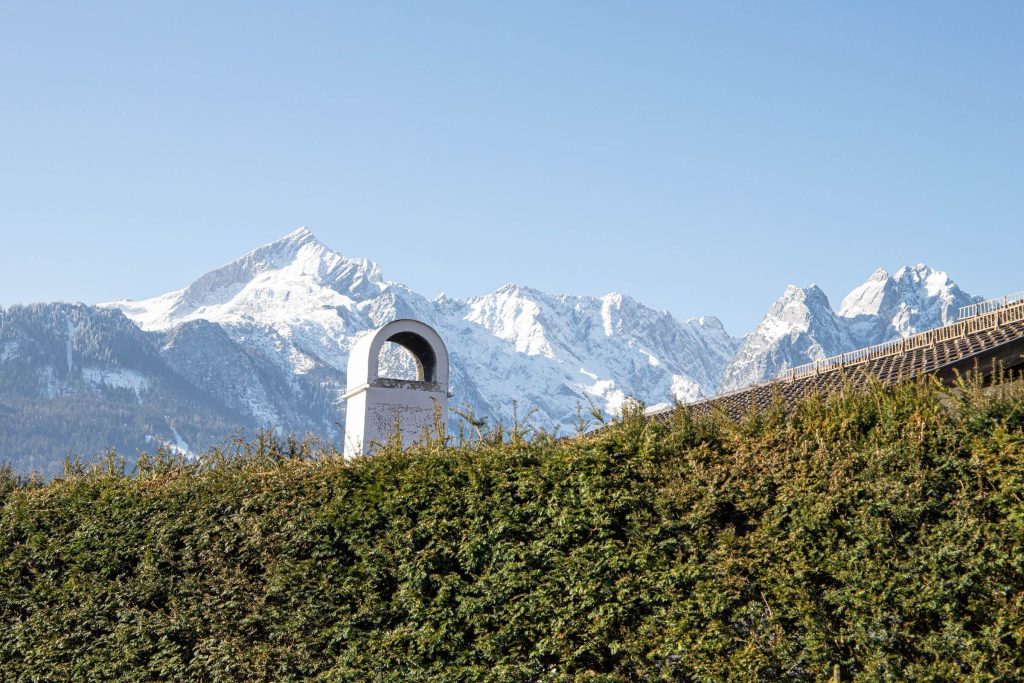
x,y
698,157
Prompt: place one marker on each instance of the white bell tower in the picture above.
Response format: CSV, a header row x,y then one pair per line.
x,y
375,404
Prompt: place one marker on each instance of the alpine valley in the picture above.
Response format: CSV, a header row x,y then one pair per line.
x,y
262,342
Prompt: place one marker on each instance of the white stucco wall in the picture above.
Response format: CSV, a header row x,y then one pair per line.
x,y
376,405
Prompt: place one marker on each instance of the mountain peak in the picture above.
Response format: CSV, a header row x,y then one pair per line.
x,y
915,273
913,299
512,290
508,288
288,246
812,295
882,291
301,234
799,326
935,282
292,276
794,311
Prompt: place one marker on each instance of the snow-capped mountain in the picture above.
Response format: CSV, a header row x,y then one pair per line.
x,y
264,340
798,328
600,347
915,299
297,306
801,326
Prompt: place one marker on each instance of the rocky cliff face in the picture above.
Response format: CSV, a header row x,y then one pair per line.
x,y
912,300
799,327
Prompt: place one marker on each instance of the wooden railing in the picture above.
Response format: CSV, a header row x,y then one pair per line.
x,y
990,305
1009,309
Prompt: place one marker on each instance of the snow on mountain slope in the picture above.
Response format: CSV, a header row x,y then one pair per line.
x,y
801,326
298,306
913,300
292,286
616,346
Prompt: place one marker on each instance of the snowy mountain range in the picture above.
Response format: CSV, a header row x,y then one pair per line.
x,y
298,306
802,327
263,341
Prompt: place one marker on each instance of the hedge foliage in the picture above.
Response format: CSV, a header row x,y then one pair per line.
x,y
877,535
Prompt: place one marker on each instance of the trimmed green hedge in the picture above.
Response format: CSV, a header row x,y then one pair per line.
x,y
881,533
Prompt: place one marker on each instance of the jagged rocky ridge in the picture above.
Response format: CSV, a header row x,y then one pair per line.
x,y
802,327
264,340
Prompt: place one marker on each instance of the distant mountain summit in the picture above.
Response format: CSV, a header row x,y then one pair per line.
x,y
283,281
915,299
801,326
263,341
